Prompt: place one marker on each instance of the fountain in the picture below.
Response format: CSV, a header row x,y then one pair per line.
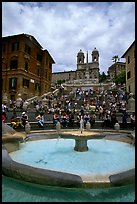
x,y
88,144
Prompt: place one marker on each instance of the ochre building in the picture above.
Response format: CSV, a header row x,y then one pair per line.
x,y
130,68
26,67
115,69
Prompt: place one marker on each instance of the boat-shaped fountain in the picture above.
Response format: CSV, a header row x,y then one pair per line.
x,y
103,166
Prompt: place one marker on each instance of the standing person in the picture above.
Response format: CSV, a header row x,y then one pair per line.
x,y
108,118
124,118
25,105
3,117
21,105
24,119
93,119
86,119
71,120
82,110
132,119
100,112
78,119
4,109
11,103
113,118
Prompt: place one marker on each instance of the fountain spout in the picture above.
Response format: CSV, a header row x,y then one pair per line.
x,y
81,124
58,127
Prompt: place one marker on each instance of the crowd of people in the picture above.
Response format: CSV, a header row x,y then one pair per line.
x,y
102,105
67,109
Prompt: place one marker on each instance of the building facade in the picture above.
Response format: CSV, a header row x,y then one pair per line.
x,y
129,55
86,72
115,69
26,67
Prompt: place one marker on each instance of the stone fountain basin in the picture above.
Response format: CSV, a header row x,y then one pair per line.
x,y
12,141
81,138
55,178
76,134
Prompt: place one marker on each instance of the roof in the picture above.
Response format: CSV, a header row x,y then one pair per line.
x,y
119,63
32,38
49,56
27,36
64,72
128,49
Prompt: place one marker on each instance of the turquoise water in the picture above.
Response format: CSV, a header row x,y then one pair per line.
x,y
18,191
103,157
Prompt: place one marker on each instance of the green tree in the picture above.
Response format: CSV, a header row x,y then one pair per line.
x,y
102,77
115,59
60,81
121,78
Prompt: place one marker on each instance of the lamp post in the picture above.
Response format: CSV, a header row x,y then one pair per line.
x,y
5,77
5,98
40,91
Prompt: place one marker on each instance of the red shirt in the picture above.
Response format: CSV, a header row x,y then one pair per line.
x,y
3,118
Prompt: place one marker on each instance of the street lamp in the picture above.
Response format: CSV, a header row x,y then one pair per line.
x,y
5,88
5,77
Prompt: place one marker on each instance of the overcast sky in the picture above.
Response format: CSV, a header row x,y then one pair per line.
x,y
63,28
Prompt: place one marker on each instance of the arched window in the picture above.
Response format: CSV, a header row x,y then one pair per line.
x,y
14,63
13,83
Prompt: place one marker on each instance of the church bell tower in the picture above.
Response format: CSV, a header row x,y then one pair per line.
x,y
95,55
80,59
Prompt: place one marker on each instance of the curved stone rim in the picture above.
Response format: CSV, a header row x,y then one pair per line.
x,y
60,179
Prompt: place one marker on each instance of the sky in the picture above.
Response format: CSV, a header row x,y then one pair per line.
x,y
63,28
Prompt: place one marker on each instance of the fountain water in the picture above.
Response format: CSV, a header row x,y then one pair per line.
x,y
54,176
81,124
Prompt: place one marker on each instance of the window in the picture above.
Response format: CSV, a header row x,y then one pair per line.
x,y
27,49
129,89
26,82
14,64
26,66
46,74
50,65
49,77
12,83
15,46
38,71
46,62
39,57
37,87
128,74
128,59
3,48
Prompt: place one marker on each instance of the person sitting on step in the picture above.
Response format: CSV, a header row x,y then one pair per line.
x,y
40,119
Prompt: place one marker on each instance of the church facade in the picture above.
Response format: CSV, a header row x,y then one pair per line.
x,y
87,71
